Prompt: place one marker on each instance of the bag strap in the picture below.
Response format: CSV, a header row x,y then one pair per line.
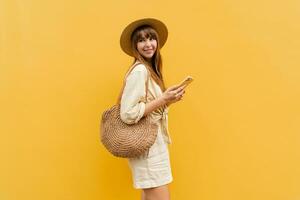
x,y
124,83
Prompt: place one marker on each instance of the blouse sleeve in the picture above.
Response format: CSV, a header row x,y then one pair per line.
x,y
132,107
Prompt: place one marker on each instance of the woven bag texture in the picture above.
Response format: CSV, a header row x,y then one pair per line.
x,y
126,140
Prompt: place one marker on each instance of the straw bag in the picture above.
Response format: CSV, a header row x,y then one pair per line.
x,y
127,140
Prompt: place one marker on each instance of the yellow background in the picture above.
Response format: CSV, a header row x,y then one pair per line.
x,y
235,134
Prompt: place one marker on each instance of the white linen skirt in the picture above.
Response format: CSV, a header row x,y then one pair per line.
x,y
154,170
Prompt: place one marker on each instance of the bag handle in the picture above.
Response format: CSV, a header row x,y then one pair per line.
x,y
124,83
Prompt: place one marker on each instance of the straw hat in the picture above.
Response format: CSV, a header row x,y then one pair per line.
x,y
160,27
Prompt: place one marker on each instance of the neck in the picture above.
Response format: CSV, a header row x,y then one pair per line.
x,y
148,60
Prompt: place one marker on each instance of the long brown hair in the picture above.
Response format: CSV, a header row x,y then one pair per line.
x,y
155,67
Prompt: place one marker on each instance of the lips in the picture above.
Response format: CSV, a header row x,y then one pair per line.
x,y
149,50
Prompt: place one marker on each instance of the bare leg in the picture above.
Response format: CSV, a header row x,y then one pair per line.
x,y
156,193
143,195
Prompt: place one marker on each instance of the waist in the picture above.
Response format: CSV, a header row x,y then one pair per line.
x,y
161,118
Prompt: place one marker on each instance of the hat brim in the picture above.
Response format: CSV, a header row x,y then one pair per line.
x,y
160,27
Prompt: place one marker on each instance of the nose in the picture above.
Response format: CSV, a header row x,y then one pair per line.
x,y
148,43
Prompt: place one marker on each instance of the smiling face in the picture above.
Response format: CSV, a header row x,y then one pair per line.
x,y
145,43
146,46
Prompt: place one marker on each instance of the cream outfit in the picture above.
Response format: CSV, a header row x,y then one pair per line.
x,y
153,170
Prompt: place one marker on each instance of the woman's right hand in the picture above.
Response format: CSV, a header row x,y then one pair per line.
x,y
173,94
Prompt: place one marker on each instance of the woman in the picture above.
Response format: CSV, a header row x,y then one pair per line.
x,y
142,39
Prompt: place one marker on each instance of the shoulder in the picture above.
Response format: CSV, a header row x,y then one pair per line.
x,y
139,70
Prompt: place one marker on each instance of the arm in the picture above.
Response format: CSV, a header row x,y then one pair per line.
x,y
153,105
170,96
132,107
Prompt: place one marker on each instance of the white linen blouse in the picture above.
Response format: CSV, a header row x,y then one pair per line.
x,y
132,105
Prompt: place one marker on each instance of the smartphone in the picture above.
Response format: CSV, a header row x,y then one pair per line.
x,y
186,81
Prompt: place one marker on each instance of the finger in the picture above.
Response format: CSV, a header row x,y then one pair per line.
x,y
180,89
181,92
179,98
174,93
174,87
